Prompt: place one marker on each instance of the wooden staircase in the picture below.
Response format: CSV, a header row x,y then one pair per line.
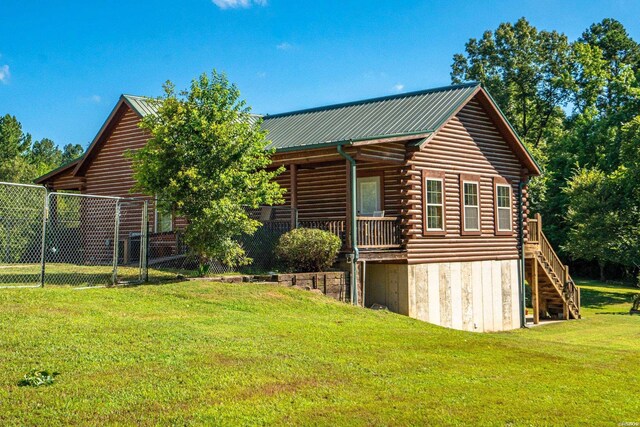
x,y
554,293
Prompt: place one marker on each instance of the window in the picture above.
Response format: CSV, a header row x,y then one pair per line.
x,y
163,221
435,205
369,195
470,206
504,217
434,198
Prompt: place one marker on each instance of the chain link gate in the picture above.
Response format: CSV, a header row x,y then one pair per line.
x,y
94,240
79,240
22,225
131,249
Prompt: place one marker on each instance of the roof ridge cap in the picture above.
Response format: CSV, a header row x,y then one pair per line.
x,y
372,100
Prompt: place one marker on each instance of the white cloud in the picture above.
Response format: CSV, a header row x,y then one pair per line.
x,y
398,87
93,99
284,46
4,73
261,74
235,4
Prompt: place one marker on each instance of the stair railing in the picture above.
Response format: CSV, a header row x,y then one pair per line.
x,y
569,289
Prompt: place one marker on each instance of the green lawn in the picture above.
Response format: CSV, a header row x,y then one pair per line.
x,y
208,353
73,274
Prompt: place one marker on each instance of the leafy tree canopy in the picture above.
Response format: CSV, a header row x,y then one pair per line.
x,y
206,161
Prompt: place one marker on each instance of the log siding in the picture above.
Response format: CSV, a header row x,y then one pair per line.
x,y
469,145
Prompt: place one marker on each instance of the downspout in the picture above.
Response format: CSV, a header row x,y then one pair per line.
x,y
521,269
353,280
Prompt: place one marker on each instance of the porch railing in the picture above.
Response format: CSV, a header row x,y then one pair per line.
x,y
373,232
378,233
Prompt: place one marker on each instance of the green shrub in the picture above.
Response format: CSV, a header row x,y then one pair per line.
x,y
307,250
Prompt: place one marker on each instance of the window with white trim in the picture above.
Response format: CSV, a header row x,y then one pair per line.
x,y
369,195
163,221
435,204
503,207
471,206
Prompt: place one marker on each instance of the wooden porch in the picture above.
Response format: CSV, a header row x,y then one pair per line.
x,y
318,195
554,294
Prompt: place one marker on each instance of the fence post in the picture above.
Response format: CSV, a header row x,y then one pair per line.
x,y
43,243
116,236
144,242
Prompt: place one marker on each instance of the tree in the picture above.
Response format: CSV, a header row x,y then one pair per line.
x,y
14,146
44,156
13,141
22,160
606,98
206,161
71,152
527,71
620,53
592,221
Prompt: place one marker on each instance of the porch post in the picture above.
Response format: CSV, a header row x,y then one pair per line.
x,y
347,212
293,170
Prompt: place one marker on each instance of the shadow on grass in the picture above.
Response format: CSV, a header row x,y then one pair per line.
x,y
620,286
618,313
597,298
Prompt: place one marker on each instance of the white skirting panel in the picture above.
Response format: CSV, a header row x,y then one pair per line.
x,y
479,296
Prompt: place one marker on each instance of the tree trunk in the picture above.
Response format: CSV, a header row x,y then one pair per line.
x,y
601,265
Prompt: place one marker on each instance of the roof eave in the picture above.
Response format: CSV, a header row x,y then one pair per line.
x,y
57,171
377,139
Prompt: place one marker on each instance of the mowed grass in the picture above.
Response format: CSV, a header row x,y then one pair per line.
x,y
251,354
16,275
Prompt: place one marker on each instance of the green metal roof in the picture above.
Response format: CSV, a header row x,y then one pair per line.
x,y
389,116
410,114
398,115
142,105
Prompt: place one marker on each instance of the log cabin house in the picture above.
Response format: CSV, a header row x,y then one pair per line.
x,y
426,189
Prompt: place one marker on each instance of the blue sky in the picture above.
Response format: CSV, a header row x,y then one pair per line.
x,y
63,64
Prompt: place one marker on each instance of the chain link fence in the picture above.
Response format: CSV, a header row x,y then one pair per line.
x,y
22,224
168,251
276,220
85,240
